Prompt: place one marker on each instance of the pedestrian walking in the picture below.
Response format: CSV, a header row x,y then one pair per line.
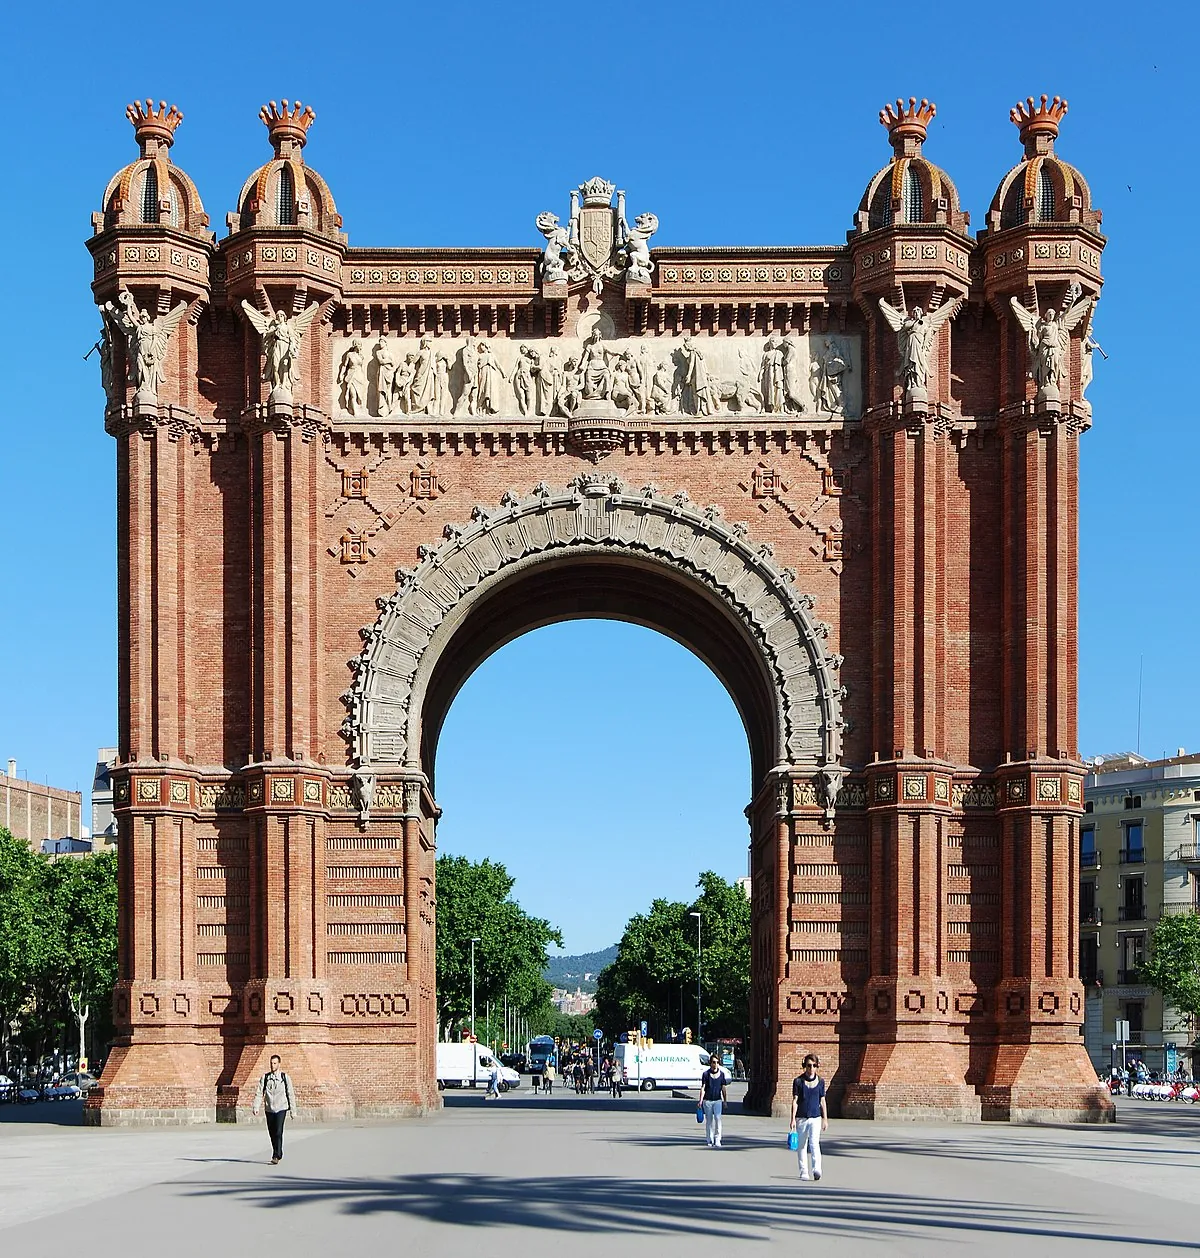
x,y
276,1097
536,1075
713,1095
548,1077
809,1116
493,1087
616,1081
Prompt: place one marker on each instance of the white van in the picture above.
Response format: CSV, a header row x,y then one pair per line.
x,y
662,1065
465,1065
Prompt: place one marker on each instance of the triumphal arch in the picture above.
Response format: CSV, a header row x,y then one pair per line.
x,y
845,476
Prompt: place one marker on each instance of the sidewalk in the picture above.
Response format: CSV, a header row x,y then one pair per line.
x,y
514,1176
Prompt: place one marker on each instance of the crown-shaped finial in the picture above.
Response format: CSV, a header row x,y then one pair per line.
x,y
597,191
1038,123
907,124
287,127
153,125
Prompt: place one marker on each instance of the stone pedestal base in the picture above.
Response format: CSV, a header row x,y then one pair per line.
x,y
912,1081
1045,1083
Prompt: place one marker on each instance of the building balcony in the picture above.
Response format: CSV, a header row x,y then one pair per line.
x,y
1089,860
1090,917
1131,912
1133,856
1177,909
1128,978
1189,854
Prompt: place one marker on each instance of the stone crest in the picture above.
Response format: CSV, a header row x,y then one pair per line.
x,y
598,243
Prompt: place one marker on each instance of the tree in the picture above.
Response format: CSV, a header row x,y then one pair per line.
x,y
1173,966
22,938
82,906
474,901
654,974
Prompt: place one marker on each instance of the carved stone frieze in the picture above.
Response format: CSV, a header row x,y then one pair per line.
x,y
595,514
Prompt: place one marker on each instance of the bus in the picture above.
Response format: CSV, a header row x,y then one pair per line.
x,y
541,1051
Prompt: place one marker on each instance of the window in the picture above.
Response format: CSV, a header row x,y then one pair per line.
x,y
1087,848
1133,905
1088,911
1090,806
150,195
1089,959
1045,197
1133,853
914,207
1133,955
1132,802
1135,1013
285,198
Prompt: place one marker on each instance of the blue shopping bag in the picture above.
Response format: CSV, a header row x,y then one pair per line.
x,y
700,1112
793,1140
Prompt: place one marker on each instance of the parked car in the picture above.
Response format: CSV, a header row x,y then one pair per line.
x,y
84,1080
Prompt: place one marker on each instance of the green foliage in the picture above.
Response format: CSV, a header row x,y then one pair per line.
x,y
568,1026
58,943
1173,966
474,900
654,973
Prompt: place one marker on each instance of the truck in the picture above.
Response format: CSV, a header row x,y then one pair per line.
x,y
466,1065
649,1066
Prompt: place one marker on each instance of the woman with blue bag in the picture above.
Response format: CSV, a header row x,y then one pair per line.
x,y
712,1098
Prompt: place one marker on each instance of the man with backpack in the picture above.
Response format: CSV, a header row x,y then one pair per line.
x,y
276,1096
809,1116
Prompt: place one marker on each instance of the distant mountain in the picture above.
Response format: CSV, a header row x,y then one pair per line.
x,y
580,971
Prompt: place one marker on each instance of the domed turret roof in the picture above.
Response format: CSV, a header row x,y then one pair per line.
x,y
1041,187
285,192
151,190
910,189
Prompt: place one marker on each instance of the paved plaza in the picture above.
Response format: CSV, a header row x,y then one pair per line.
x,y
581,1175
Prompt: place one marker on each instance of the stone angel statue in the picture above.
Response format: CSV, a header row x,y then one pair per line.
x,y
281,337
638,265
915,331
1049,338
554,267
146,341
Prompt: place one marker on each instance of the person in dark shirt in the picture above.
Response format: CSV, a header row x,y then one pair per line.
x,y
712,1094
809,1116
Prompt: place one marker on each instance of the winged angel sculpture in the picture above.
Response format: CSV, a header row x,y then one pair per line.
x,y
915,331
281,337
1049,338
146,341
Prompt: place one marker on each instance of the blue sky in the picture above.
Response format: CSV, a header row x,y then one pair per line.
x,y
456,124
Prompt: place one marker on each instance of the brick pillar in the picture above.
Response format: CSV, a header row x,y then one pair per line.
x,y
1040,1069
915,1061
770,844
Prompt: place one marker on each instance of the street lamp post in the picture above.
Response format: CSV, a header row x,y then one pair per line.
x,y
474,941
696,914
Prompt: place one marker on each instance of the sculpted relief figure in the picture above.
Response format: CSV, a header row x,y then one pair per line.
x,y
385,376
522,377
662,389
638,265
146,342
441,386
489,392
352,376
558,243
547,382
468,358
281,339
915,331
107,379
1049,338
831,363
422,387
594,374
696,392
773,390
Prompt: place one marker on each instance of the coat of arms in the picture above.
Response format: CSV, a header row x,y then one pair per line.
x,y
598,242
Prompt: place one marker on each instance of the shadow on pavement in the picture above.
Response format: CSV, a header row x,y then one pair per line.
x,y
657,1208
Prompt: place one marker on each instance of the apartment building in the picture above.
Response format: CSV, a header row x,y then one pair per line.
x,y
1139,860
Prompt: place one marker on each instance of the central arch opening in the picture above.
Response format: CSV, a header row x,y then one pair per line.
x,y
606,767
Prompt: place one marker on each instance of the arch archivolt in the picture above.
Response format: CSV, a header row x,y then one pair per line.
x,y
594,514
